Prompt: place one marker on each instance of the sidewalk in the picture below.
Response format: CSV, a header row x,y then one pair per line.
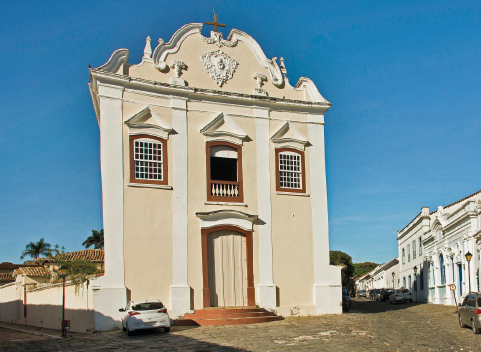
x,y
35,330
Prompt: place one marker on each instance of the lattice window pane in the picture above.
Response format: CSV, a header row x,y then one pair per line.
x,y
148,160
290,170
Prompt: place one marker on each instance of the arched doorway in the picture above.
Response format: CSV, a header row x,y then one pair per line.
x,y
228,277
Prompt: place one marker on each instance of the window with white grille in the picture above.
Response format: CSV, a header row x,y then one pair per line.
x,y
290,170
148,160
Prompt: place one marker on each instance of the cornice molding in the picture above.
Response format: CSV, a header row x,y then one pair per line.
x,y
289,137
308,85
161,129
213,131
226,217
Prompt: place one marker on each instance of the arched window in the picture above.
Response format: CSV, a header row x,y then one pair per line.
x,y
224,172
442,267
148,160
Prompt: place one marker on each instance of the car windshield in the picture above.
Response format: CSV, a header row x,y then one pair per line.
x,y
388,291
147,306
378,291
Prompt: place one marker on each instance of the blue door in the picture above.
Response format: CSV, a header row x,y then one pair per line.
x,y
460,283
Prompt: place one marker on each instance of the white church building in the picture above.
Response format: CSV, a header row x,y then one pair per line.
x,y
213,180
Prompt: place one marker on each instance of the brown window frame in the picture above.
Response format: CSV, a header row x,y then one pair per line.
x,y
240,196
165,160
303,171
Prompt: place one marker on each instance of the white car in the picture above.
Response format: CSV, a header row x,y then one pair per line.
x,y
145,314
396,297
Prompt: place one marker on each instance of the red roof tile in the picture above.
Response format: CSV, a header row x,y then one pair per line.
x,y
95,255
31,271
6,277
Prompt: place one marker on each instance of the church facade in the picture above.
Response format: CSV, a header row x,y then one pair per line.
x,y
213,180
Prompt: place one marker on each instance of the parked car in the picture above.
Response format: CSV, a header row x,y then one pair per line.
x,y
408,296
361,293
346,300
385,293
396,297
469,313
145,314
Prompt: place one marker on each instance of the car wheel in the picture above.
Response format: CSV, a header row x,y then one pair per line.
x,y
167,329
129,333
475,329
461,321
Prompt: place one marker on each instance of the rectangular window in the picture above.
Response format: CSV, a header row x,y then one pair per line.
x,y
404,256
404,281
420,246
290,171
148,160
421,279
409,253
414,249
410,287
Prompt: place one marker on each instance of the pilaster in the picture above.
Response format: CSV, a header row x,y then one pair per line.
x,y
266,289
180,290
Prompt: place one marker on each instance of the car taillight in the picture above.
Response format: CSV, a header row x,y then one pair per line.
x,y
163,310
133,313
478,311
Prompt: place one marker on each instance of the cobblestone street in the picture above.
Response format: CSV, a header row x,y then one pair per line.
x,y
369,326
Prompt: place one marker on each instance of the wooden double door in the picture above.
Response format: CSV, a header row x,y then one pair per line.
x,y
226,256
227,266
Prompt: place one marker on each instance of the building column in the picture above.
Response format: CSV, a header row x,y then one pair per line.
x,y
110,293
267,296
327,279
180,290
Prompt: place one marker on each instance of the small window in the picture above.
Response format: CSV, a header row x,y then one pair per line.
x,y
404,256
148,160
409,253
414,249
420,246
290,171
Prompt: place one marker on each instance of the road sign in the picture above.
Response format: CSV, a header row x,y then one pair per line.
x,y
452,287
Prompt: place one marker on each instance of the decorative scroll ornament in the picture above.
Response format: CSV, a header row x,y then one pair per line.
x,y
220,66
216,38
178,66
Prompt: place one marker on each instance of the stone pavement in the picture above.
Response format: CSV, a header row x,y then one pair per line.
x,y
369,326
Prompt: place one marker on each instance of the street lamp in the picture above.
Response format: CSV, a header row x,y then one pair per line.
x,y
468,258
63,272
416,281
393,274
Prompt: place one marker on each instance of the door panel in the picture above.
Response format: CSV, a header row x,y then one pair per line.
x,y
227,267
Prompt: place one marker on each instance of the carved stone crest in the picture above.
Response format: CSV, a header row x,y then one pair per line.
x,y
216,38
220,66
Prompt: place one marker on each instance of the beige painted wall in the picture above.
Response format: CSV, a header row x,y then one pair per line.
x,y
147,223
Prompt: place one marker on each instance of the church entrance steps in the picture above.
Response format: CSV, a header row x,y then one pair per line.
x,y
227,316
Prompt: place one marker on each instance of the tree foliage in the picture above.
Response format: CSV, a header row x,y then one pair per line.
x,y
341,258
78,270
363,268
96,240
35,249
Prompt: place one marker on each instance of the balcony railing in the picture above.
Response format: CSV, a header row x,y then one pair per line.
x,y
224,189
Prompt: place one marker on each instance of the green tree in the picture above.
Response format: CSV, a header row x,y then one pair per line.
x,y
341,258
35,249
363,268
96,240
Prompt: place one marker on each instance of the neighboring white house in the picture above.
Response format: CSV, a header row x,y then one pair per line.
x,y
383,278
436,245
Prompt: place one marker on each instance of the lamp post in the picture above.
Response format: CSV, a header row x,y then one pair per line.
x,y
393,274
416,281
63,272
468,258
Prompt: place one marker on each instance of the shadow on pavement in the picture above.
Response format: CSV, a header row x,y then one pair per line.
x,y
367,306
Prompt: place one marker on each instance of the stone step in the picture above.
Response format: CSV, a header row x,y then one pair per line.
x,y
228,321
222,314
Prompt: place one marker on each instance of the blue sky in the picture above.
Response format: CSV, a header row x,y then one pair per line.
x,y
403,131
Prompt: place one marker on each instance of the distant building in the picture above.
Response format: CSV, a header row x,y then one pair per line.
x,y
436,244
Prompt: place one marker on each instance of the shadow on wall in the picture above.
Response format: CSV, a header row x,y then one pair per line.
x,y
48,316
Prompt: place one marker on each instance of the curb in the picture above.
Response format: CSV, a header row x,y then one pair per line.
x,y
30,332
